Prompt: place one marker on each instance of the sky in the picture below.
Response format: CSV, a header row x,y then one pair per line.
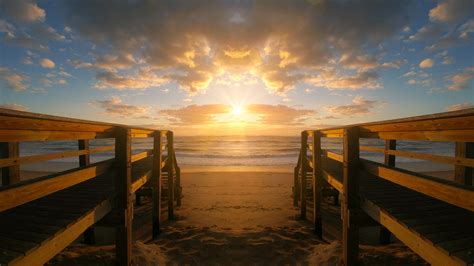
x,y
236,67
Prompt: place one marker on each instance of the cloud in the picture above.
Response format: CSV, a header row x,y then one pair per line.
x,y
459,106
262,114
47,63
194,44
14,106
359,106
15,81
460,81
115,107
22,10
427,63
451,10
143,79
333,80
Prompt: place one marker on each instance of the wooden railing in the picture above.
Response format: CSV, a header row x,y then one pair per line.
x,y
16,127
456,127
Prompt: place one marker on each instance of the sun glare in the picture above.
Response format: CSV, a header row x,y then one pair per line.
x,y
237,110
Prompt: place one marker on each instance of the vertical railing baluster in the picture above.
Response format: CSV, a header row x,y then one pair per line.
x,y
170,175
389,160
463,174
84,160
350,206
317,183
303,169
156,183
123,182
10,174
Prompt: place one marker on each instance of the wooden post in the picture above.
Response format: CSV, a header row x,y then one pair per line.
x,y
296,185
85,159
350,206
156,183
123,182
10,174
317,183
384,233
170,175
463,174
304,147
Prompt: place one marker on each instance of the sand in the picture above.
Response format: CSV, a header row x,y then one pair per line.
x,y
237,218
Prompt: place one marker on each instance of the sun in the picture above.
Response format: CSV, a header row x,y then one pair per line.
x,y
237,110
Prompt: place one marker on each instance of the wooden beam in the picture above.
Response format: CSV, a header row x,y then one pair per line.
x,y
170,175
350,206
141,181
464,135
457,160
463,174
33,135
51,156
141,155
389,159
30,190
333,155
414,241
317,184
123,183
10,174
303,169
447,191
156,184
48,249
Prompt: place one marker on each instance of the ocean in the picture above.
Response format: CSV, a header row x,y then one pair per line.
x,y
236,150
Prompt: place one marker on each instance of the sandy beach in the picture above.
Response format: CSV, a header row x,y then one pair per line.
x,y
238,218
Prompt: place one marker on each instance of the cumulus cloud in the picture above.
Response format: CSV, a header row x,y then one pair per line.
x,y
143,79
332,80
14,80
194,43
359,106
427,63
459,106
460,81
262,114
114,106
22,10
451,10
14,106
47,63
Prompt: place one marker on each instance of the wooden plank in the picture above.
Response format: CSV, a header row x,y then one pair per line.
x,y
458,160
141,155
32,135
140,181
170,171
444,135
317,184
17,123
332,155
123,183
156,184
48,249
11,174
303,169
142,133
30,190
350,206
333,180
461,196
464,122
51,156
464,173
415,242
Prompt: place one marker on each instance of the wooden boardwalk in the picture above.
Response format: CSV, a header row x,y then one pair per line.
x,y
40,217
432,216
